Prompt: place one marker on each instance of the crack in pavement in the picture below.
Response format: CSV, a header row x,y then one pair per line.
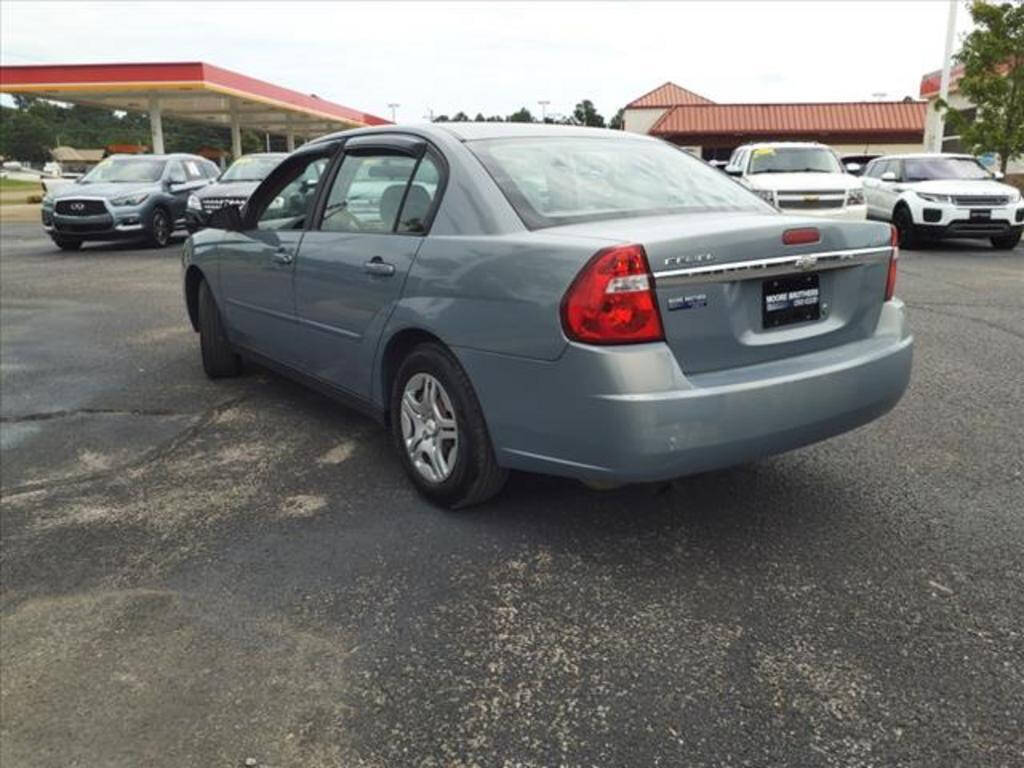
x,y
205,418
996,326
47,415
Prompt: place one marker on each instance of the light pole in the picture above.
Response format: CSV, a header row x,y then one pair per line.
x,y
543,109
430,115
940,124
393,106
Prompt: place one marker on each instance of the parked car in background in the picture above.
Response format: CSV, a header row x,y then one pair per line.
x,y
855,164
554,299
799,177
933,196
232,187
125,197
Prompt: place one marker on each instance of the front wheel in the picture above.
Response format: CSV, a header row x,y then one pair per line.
x,y
159,228
1006,242
439,430
904,224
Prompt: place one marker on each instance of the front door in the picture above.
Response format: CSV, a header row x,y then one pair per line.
x,y
352,264
257,264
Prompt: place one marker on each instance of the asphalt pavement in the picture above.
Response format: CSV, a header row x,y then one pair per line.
x,y
198,573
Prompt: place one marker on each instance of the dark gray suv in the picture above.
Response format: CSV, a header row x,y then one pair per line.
x,y
126,197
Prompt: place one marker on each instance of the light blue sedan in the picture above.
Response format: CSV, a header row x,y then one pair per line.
x,y
571,301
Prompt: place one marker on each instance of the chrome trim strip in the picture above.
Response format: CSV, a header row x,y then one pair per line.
x,y
756,269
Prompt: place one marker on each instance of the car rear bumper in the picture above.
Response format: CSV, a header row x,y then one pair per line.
x,y
630,414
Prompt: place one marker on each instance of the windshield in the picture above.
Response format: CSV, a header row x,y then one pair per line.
x,y
250,168
552,181
125,169
932,168
793,160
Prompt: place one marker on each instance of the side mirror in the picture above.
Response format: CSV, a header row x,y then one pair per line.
x,y
888,176
853,168
998,175
228,217
734,170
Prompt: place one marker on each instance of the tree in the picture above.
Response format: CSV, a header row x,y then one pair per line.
x,y
521,116
992,57
460,117
618,122
24,136
586,114
479,118
442,119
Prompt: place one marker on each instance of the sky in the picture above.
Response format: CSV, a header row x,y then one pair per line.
x,y
497,57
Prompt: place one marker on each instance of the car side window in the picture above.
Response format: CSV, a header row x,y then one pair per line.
x,y
413,218
367,193
288,208
193,171
176,172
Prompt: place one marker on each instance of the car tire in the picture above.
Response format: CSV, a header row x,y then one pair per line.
x,y
159,228
219,357
473,475
67,243
1006,242
904,223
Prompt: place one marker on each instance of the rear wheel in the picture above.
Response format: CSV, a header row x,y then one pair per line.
x,y
904,223
67,243
219,358
159,228
1006,242
439,430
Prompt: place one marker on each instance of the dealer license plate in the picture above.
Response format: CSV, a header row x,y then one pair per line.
x,y
790,300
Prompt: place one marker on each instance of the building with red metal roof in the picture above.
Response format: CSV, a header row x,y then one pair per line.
x,y
715,130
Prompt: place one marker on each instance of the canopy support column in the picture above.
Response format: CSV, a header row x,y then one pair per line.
x,y
156,126
289,140
236,133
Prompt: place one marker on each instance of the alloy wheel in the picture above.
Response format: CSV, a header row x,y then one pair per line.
x,y
161,228
429,428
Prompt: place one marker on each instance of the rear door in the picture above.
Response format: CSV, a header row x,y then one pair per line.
x,y
257,265
353,262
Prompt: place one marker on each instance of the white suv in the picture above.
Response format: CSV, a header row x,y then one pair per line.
x,y
803,178
935,196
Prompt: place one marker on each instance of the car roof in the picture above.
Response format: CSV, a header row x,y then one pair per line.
x,y
265,154
757,144
477,131
910,155
167,156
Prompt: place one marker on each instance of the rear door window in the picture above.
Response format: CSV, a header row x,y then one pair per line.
x,y
367,193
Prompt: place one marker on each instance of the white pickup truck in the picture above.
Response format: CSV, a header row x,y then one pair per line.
x,y
804,178
932,196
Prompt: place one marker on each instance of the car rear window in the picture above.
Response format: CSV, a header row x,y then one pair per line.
x,y
553,181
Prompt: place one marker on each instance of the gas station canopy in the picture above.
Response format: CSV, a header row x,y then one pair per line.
x,y
192,91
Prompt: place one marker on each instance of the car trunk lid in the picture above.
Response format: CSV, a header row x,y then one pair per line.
x,y
713,272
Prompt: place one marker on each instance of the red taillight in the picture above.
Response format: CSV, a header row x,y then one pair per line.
x,y
801,236
894,259
612,301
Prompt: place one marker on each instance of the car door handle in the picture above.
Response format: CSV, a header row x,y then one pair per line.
x,y
283,255
377,266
